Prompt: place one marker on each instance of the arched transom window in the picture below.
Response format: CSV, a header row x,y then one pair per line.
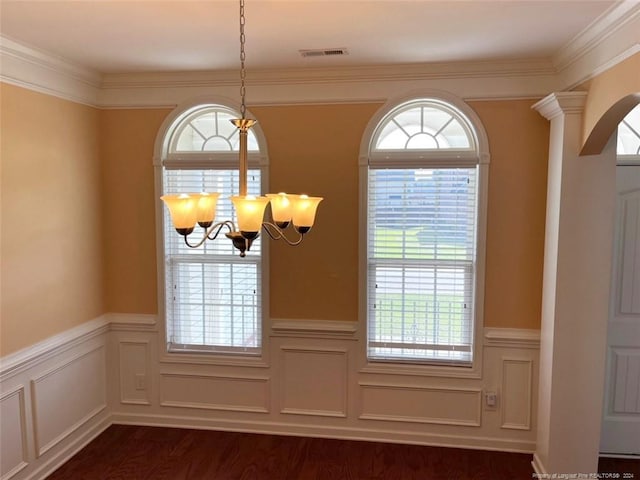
x,y
209,130
629,134
423,182
213,298
426,125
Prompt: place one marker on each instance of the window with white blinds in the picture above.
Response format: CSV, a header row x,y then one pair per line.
x,y
422,222
212,295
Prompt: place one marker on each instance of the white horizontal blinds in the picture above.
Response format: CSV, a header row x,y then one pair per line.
x,y
209,310
422,225
629,133
422,222
213,295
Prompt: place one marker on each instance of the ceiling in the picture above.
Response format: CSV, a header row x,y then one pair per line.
x,y
140,36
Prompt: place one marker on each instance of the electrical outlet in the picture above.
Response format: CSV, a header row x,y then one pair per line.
x,y
141,381
490,400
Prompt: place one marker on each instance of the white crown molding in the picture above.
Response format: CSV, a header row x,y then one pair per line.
x,y
40,71
45,73
596,33
469,88
315,76
478,80
610,40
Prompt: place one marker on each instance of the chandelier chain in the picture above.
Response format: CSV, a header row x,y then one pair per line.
x,y
243,107
187,210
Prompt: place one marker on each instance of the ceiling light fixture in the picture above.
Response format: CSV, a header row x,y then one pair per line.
x,y
187,209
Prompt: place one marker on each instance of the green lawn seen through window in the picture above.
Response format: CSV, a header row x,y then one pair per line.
x,y
418,317
414,243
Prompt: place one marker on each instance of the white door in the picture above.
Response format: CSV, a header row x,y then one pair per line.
x,y
621,423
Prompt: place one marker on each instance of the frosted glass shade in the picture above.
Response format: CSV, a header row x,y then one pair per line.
x,y
281,206
250,212
183,209
304,211
207,208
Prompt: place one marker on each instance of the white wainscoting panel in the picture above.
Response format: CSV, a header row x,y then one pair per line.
x,y
626,393
310,384
314,381
134,371
67,396
53,400
516,393
237,393
13,435
419,404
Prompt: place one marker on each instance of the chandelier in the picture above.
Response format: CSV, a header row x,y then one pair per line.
x,y
187,209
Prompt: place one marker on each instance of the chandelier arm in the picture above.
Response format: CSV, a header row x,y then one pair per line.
x,y
217,227
276,233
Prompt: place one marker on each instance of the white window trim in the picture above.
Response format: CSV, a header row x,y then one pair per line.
x,y
161,156
480,157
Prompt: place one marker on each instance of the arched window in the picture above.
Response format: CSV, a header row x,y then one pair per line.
x,y
424,125
425,177
213,298
629,134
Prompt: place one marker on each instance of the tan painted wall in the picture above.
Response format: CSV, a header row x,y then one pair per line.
x,y
519,145
51,257
607,88
318,153
128,137
87,177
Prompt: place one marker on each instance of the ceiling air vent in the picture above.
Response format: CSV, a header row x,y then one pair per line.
x,y
324,52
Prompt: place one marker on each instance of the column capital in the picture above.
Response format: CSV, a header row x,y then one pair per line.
x,y
558,103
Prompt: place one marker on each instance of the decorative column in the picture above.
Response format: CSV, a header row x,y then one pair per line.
x,y
575,292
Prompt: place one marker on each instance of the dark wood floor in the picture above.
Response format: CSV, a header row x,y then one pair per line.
x,y
132,453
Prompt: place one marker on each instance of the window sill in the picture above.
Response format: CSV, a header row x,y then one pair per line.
x,y
211,358
422,370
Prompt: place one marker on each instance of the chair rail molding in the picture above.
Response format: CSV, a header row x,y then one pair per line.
x,y
511,337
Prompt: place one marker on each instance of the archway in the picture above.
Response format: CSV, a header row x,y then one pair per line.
x,y
577,271
608,123
620,430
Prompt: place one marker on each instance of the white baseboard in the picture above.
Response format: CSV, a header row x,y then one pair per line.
x,y
629,456
54,462
537,465
325,431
